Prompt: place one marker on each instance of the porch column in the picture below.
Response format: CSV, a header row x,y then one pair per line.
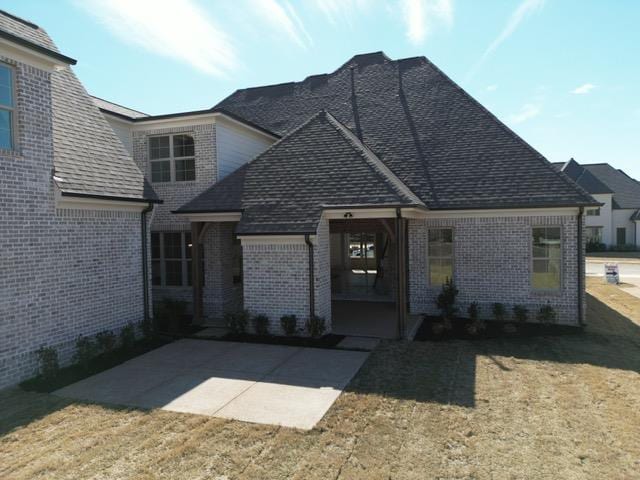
x,y
196,274
401,262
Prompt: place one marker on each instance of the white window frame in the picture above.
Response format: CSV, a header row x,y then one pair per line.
x,y
452,257
561,260
618,244
11,108
171,158
593,212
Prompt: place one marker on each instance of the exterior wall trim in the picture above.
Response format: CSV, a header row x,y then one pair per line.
x,y
276,239
29,56
85,203
499,213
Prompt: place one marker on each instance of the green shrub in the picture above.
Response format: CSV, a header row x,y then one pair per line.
x,y
594,246
473,311
261,324
499,312
289,324
315,326
147,328
237,322
48,360
106,341
547,315
128,336
85,351
446,301
520,313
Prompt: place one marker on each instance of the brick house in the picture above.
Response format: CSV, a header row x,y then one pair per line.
x,y
382,178
351,196
72,208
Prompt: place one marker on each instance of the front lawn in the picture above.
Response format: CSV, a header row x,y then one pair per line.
x,y
545,407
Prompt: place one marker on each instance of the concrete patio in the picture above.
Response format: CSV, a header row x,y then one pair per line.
x,y
270,384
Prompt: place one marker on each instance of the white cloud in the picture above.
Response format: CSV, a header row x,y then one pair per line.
x,y
283,19
177,29
526,8
492,88
342,11
527,112
583,89
420,17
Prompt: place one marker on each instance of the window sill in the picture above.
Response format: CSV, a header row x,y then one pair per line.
x,y
10,153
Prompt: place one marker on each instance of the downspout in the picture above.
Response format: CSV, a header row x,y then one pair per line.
x,y
145,271
312,295
580,268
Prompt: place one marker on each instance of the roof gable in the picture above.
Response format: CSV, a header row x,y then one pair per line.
x,y
626,190
440,142
319,165
584,178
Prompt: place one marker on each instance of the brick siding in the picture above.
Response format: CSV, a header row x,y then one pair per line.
x,y
492,263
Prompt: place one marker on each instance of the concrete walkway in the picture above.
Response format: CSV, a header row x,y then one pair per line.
x,y
272,384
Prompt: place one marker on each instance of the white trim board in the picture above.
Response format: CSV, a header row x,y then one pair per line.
x,y
26,55
497,213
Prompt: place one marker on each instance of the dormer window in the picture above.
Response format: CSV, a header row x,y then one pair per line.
x,y
172,158
6,107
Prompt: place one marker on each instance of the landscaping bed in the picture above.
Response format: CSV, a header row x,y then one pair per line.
x,y
326,341
76,372
431,330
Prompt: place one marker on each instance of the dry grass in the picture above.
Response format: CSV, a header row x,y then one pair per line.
x,y
555,407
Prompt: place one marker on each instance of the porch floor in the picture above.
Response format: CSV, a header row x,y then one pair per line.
x,y
366,319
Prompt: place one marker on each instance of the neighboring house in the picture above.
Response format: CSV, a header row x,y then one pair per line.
x,y
616,223
72,208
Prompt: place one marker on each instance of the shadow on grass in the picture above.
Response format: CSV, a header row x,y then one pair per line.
x,y
445,371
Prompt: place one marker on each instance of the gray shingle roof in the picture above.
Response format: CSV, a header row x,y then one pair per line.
x,y
582,177
88,156
441,143
626,189
318,165
111,107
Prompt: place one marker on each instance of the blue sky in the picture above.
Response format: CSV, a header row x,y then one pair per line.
x,y
564,74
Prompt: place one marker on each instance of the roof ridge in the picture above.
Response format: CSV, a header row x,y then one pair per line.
x,y
119,105
508,131
370,157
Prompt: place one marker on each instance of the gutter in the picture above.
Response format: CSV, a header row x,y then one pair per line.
x,y
36,47
312,295
580,268
145,261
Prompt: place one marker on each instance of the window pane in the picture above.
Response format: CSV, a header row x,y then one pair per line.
x,y
546,274
173,269
183,146
159,147
156,278
6,86
185,170
5,130
440,269
621,236
172,245
155,245
161,171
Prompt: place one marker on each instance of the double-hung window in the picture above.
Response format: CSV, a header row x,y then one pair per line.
x,y
172,158
547,258
7,104
171,259
440,255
